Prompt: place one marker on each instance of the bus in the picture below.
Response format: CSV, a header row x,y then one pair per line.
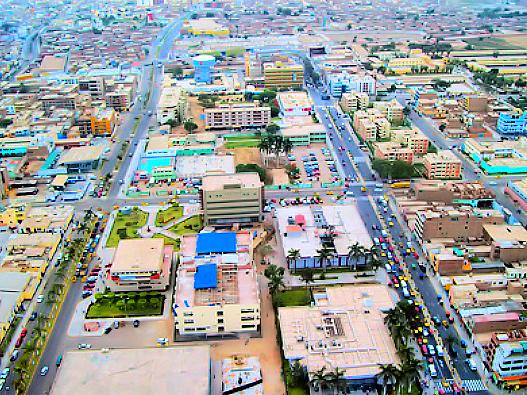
x,y
401,184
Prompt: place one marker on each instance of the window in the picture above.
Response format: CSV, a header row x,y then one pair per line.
x,y
188,321
247,310
247,318
248,326
220,313
220,320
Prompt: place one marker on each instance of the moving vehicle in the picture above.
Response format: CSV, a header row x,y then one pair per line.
x,y
84,346
14,356
432,369
472,365
44,370
40,298
401,184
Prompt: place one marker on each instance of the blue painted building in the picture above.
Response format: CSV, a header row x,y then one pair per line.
x,y
203,68
512,123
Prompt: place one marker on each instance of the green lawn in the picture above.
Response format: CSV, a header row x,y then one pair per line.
x,y
491,43
125,226
249,143
191,225
172,213
138,307
295,297
168,240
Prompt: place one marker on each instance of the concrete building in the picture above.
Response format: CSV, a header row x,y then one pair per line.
x,y
498,157
512,123
237,115
517,191
457,224
371,125
344,329
232,198
206,27
281,74
475,103
203,68
353,101
347,82
507,357
442,165
103,122
81,159
172,105
216,287
307,228
392,110
294,103
52,219
302,131
185,369
241,374
140,265
393,151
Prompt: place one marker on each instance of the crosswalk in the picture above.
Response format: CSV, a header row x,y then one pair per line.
x,y
468,385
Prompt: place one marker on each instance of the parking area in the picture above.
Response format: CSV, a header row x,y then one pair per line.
x,y
316,164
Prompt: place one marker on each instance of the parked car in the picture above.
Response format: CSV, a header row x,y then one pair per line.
x,y
44,370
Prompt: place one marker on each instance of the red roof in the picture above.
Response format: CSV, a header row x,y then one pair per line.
x,y
300,219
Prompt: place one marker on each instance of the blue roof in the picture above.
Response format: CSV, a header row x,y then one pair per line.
x,y
222,242
205,276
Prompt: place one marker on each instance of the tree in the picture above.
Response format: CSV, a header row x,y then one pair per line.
x,y
374,261
407,110
5,122
251,168
336,380
319,379
299,374
450,340
324,255
292,255
275,275
355,252
190,126
387,376
410,369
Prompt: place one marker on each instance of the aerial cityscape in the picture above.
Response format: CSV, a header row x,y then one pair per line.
x,y
244,197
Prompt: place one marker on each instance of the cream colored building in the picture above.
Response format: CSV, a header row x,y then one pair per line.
x,y
172,103
392,110
294,103
232,198
216,286
371,125
442,165
237,115
140,265
353,101
55,219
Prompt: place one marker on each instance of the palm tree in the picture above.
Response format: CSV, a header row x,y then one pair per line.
x,y
336,380
406,353
292,255
374,261
287,146
410,370
324,255
319,380
299,374
275,275
30,346
264,147
387,375
355,252
450,340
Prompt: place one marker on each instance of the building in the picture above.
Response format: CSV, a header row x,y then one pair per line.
x,y
216,287
475,103
81,159
53,219
24,285
343,329
442,165
203,68
512,123
413,138
498,157
390,150
140,265
371,125
347,82
103,122
517,191
282,74
13,214
507,357
241,374
206,27
172,105
458,224
353,101
232,198
392,110
237,115
306,229
303,131
294,103
9,305
91,372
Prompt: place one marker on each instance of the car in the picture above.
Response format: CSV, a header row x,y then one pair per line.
x,y
5,373
472,365
19,342
33,316
136,323
40,298
116,324
2,383
431,350
162,341
44,370
107,330
84,346
446,324
463,343
23,333
436,320
14,356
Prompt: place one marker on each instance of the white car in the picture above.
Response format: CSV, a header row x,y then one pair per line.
x,y
84,346
44,371
40,298
163,341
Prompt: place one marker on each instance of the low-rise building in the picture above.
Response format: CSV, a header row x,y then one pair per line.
x,y
390,150
517,191
103,122
81,159
54,219
280,74
206,27
216,287
442,165
512,123
343,329
237,115
507,357
392,110
294,103
172,105
241,374
353,101
140,265
232,198
347,82
13,214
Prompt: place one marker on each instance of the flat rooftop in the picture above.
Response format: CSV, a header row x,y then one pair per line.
x,y
201,165
505,232
231,181
344,329
294,99
146,371
138,255
88,153
346,219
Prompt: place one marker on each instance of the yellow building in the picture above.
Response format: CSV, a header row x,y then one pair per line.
x,y
103,122
47,219
206,27
14,214
353,101
283,74
216,286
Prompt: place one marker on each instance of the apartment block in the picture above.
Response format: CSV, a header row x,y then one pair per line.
x,y
512,123
103,122
413,139
232,198
120,99
507,357
282,74
392,110
371,125
353,101
172,104
93,86
216,287
393,151
236,116
458,224
474,103
140,265
347,82
442,165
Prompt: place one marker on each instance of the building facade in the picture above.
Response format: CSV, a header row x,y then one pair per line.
x,y
237,115
442,165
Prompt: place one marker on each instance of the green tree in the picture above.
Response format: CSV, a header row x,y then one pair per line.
x,y
319,379
275,275
292,255
387,376
324,255
251,168
355,252
190,126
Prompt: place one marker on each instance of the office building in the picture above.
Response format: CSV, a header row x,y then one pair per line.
x,y
282,74
512,123
237,115
392,110
517,191
81,159
103,122
442,165
347,82
140,265
232,198
216,287
507,358
172,105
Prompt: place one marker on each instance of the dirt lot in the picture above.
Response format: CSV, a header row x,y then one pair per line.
x,y
279,176
247,155
195,111
325,174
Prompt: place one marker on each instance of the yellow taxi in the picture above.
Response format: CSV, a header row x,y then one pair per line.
x,y
330,193
390,223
